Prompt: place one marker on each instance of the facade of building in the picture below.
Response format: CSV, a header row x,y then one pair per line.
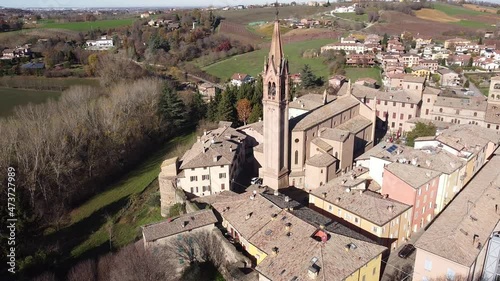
x,y
102,44
239,79
461,241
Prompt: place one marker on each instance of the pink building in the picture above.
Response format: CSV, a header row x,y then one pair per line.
x,y
412,185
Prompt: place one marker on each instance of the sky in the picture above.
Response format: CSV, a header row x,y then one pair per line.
x,y
135,3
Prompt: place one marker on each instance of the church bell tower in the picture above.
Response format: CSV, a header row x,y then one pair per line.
x,y
275,109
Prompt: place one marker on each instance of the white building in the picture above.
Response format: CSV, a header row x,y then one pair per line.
x,y
104,43
239,79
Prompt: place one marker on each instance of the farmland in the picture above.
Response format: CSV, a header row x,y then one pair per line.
x,y
269,13
88,25
252,63
10,98
353,16
435,15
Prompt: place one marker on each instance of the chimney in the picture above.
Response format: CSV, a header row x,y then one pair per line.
x,y
216,158
391,97
312,272
337,200
204,132
390,208
276,193
348,190
275,250
273,216
288,225
474,238
324,194
198,138
184,224
428,163
248,216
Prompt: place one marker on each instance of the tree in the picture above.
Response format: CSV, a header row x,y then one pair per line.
x,y
198,108
91,68
420,130
256,114
471,61
244,109
466,84
171,108
385,39
225,108
435,78
480,42
309,80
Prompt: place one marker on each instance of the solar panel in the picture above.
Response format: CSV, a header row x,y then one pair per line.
x,y
392,148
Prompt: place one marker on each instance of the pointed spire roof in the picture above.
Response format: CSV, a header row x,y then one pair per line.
x,y
276,51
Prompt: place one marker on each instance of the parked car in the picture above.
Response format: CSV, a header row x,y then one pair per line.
x,y
256,181
406,251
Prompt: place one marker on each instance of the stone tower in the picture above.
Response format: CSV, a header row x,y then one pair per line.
x,y
275,110
494,93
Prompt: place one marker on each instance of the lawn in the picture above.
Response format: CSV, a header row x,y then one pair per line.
x,y
353,16
354,73
89,25
246,16
34,82
253,63
11,97
452,10
127,201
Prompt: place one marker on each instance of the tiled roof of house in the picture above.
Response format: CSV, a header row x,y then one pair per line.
x,y
477,104
361,91
182,223
468,137
355,124
325,112
460,232
239,76
321,160
217,147
411,174
414,79
364,203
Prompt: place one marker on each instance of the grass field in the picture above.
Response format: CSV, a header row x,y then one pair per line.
x,y
453,10
252,63
435,15
353,16
11,97
86,26
129,203
480,8
266,30
34,82
355,73
269,13
454,14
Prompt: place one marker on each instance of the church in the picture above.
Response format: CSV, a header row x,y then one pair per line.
x,y
304,142
311,148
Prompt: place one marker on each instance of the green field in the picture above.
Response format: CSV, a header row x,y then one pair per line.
x,y
253,63
353,16
354,73
89,25
246,16
472,24
453,10
11,97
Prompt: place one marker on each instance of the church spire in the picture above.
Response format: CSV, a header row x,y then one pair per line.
x,y
276,51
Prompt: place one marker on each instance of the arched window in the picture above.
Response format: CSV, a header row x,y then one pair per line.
x,y
273,91
440,110
296,157
269,90
498,96
475,114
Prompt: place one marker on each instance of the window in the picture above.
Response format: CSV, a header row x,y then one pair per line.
x,y
339,213
205,177
432,194
403,104
430,205
296,161
363,278
408,87
427,112
488,126
409,116
375,229
374,271
392,125
222,187
394,115
330,207
193,178
419,191
411,105
192,169
427,187
393,103
475,114
418,204
192,190
197,189
377,113
416,87
356,220
425,198
296,140
378,102
222,175
428,100
440,110
321,171
348,217
204,168
401,116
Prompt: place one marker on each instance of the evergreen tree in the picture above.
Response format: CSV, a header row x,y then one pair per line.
x,y
420,130
257,94
171,108
198,108
256,114
212,112
480,41
308,78
226,110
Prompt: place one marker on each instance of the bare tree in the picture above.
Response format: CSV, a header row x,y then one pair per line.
x,y
83,271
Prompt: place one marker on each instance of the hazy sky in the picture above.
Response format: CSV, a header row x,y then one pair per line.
x,y
136,3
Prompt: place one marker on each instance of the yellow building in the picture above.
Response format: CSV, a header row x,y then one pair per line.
x,y
274,237
421,71
348,198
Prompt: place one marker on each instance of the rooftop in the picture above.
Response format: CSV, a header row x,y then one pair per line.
x,y
468,137
321,144
492,114
214,148
321,160
453,234
413,175
477,104
361,91
325,112
178,224
310,101
364,203
334,134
